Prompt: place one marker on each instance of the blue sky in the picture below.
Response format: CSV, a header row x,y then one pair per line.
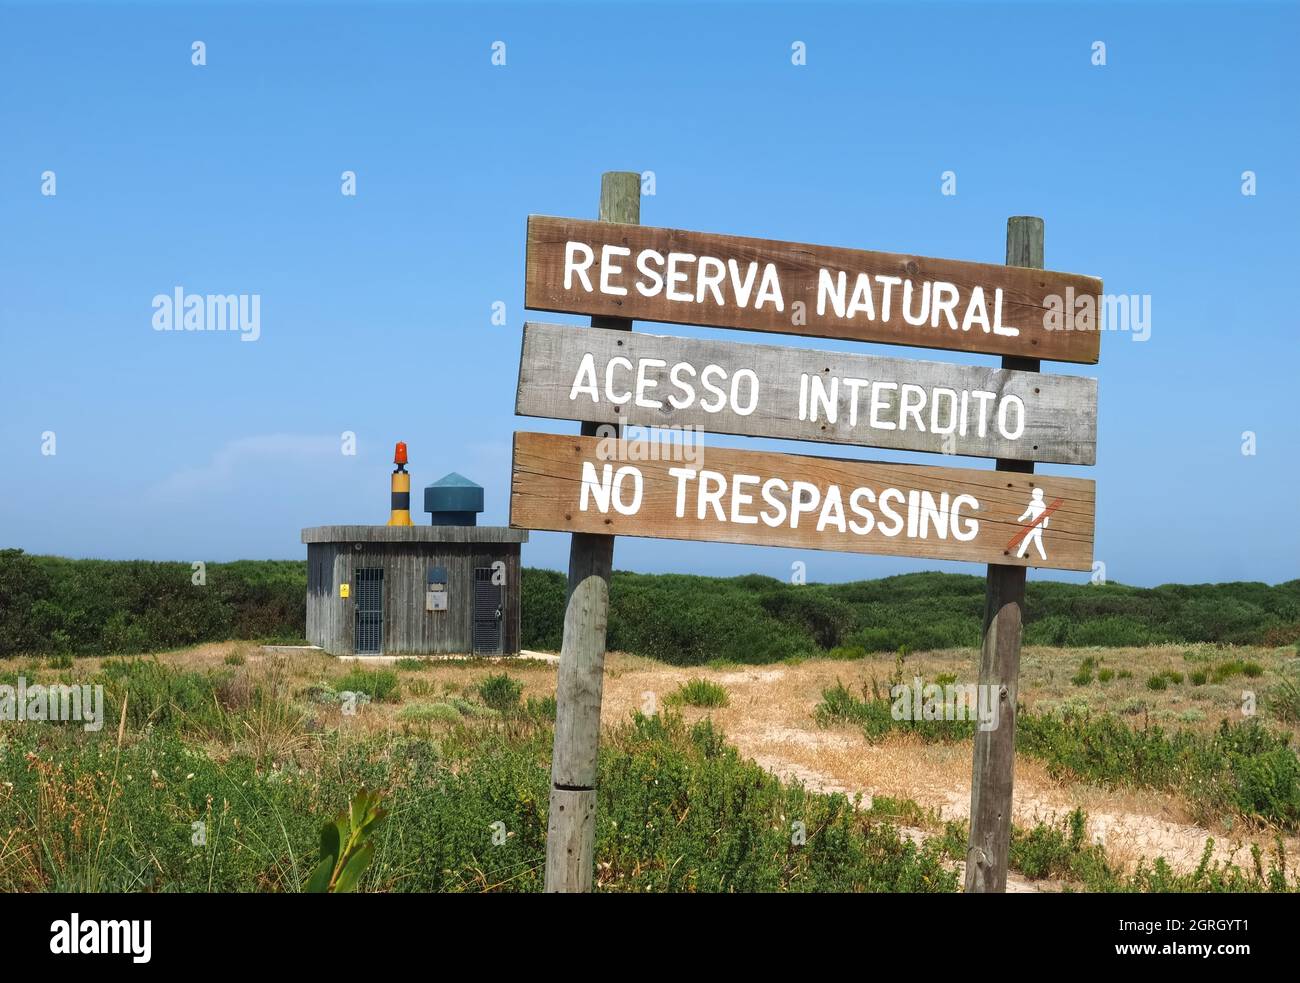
x,y
376,309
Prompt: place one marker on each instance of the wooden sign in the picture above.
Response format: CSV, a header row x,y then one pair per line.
x,y
638,272
625,488
618,377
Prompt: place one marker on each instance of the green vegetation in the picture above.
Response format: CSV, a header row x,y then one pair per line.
x,y
346,846
60,606
1085,674
167,803
1061,851
501,692
378,684
413,664
1241,770
698,693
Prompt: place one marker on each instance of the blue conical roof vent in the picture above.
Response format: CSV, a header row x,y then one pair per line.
x,y
453,500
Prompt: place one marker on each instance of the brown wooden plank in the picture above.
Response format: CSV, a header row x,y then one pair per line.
x,y
788,280
572,373
548,484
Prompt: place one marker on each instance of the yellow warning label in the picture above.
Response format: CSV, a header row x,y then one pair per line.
x,y
344,589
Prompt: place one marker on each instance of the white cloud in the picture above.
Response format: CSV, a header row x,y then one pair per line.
x,y
258,458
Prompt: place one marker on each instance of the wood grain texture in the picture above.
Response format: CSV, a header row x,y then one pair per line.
x,y
994,760
1025,291
1060,412
570,840
571,825
547,484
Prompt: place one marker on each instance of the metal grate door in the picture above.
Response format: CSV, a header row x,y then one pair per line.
x,y
489,603
368,638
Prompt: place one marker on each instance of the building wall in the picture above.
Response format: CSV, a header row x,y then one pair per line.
x,y
408,627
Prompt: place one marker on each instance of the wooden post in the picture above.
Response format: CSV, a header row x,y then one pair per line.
x,y
992,774
571,823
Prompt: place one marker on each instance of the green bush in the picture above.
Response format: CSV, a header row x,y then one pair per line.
x,y
699,693
54,605
501,693
381,685
1242,769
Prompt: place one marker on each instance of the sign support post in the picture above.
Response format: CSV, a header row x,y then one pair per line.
x,y
992,773
571,821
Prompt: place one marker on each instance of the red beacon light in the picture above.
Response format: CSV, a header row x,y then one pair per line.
x,y
399,453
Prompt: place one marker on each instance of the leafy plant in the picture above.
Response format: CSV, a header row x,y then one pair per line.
x,y
346,847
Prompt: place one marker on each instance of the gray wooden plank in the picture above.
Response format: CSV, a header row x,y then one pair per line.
x,y
846,398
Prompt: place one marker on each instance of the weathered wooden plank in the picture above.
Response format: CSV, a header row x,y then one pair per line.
x,y
571,825
675,276
571,484
612,377
993,763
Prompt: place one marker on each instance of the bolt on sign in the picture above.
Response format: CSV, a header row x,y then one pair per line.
x,y
615,487
618,377
669,275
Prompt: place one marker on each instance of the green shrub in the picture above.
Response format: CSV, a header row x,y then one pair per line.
x,y
500,692
1157,682
847,652
409,664
53,605
1048,850
1105,675
1242,769
1283,700
163,697
1199,677
381,685
1228,670
540,708
699,693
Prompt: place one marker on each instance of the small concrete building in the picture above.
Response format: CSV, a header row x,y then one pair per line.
x,y
450,588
